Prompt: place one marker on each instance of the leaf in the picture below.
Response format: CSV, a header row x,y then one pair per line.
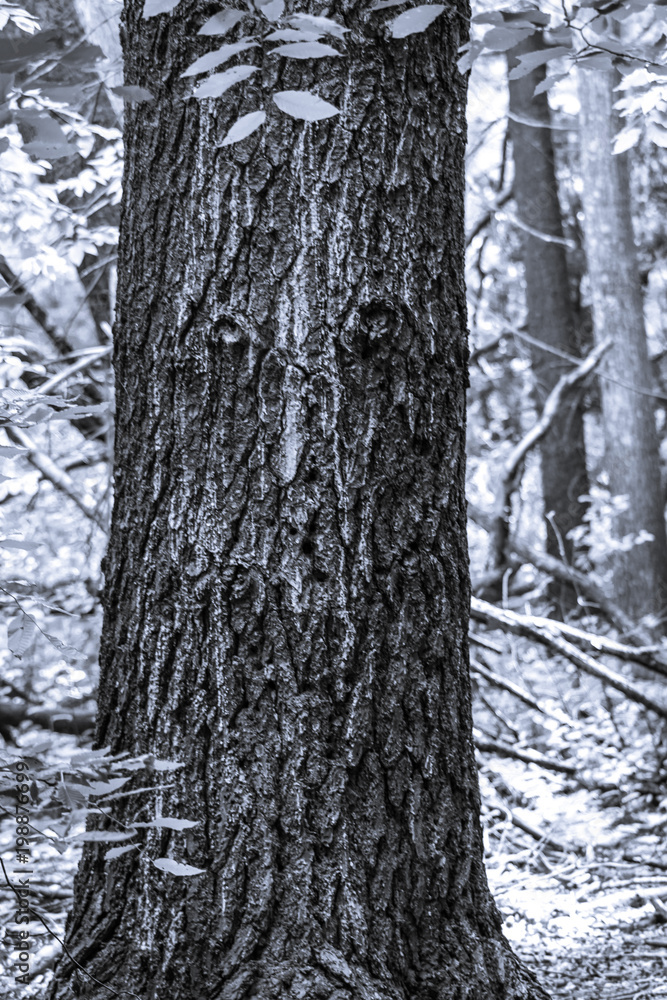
x,y
626,139
383,4
305,50
170,823
411,22
106,787
273,10
304,105
154,7
469,53
222,22
217,58
102,837
87,756
292,35
117,852
166,765
71,795
550,80
20,637
531,60
217,84
244,127
135,95
323,24
657,133
503,39
16,543
176,868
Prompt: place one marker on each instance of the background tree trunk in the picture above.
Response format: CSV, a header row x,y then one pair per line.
x,y
631,447
287,589
548,303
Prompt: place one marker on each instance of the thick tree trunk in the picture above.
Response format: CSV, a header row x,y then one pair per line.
x,y
631,448
287,579
548,303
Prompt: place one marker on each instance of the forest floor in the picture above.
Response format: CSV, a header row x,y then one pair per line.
x,y
583,893
575,856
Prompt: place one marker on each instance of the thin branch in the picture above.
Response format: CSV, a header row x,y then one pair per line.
x,y
509,686
527,756
512,467
72,369
485,220
57,338
48,468
647,656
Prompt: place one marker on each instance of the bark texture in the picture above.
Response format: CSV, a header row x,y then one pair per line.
x,y
631,446
287,586
549,310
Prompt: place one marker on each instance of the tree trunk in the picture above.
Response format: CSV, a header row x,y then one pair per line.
x,y
287,589
548,303
631,447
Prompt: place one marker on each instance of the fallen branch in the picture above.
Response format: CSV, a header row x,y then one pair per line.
x,y
527,756
647,656
509,686
523,625
587,583
48,468
512,466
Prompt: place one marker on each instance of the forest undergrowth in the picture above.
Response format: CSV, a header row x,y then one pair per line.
x,y
574,836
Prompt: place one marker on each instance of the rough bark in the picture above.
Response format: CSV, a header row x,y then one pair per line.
x,y
631,447
550,315
287,588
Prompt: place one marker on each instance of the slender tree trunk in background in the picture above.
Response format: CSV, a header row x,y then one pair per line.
x,y
548,303
287,590
77,21
631,446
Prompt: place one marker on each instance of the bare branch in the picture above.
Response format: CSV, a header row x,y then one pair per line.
x,y
41,461
523,625
512,467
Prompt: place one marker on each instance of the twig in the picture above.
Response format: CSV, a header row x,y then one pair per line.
x,y
62,944
523,625
484,221
77,366
646,655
